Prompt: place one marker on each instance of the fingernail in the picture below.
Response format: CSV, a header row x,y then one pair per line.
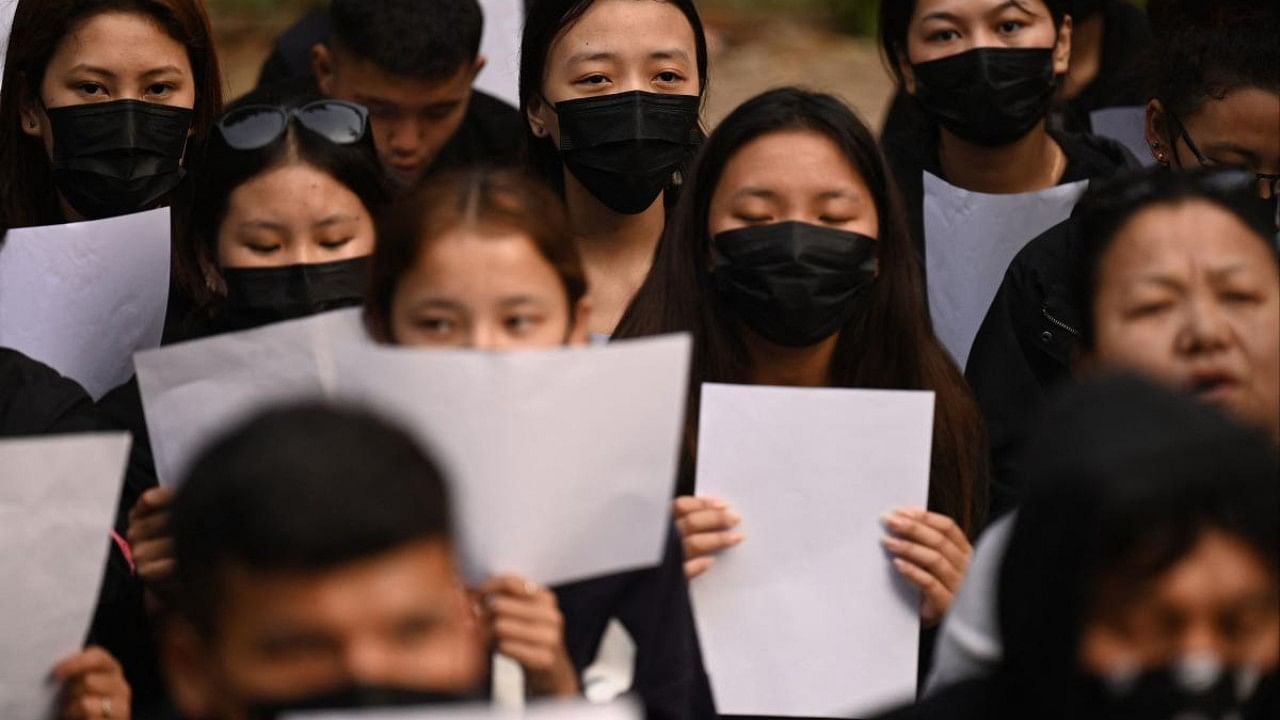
x,y
734,517
717,504
900,565
736,538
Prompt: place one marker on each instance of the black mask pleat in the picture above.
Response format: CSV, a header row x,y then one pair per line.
x,y
794,284
357,697
260,296
117,157
988,96
625,147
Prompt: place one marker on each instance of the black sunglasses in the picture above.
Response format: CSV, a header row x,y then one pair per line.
x,y
254,127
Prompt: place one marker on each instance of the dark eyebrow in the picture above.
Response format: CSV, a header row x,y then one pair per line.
x,y
438,304
952,17
520,300
93,69
166,70
264,225
592,57
675,54
758,192
839,194
334,220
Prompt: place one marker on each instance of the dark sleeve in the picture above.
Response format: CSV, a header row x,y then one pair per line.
x,y
492,133
654,607
121,409
1022,350
36,400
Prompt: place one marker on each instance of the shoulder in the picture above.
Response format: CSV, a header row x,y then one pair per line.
x,y
35,399
970,700
1090,157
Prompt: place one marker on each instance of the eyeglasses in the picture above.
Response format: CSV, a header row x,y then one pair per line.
x,y
254,127
1268,184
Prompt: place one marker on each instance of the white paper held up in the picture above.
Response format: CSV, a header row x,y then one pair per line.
x,y
970,240
1127,126
7,8
84,297
58,498
562,462
545,710
192,392
807,617
503,24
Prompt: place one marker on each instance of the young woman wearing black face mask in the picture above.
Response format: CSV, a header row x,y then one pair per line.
x,y
789,262
612,91
983,74
1140,580
105,110
1215,80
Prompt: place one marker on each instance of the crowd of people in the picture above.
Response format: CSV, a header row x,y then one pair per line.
x,y
1102,532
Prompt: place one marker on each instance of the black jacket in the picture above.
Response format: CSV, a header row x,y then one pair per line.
x,y
654,607
492,133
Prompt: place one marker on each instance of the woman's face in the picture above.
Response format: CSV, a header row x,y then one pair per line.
x,y
1189,295
484,291
111,56
1220,599
618,46
792,176
1239,129
293,215
942,28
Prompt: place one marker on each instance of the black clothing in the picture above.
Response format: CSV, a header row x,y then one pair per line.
x,y
913,150
654,607
36,400
492,133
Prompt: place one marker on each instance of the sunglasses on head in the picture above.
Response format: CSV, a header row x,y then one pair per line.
x,y
256,126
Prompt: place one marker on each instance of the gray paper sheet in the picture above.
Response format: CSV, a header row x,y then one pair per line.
x,y
58,498
808,617
546,710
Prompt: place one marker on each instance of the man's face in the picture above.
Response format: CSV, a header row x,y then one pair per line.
x,y
401,619
412,118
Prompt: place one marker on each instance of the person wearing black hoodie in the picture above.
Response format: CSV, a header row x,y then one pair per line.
x,y
1216,96
1141,576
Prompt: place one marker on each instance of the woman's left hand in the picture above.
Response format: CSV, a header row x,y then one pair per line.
x,y
932,553
529,628
93,687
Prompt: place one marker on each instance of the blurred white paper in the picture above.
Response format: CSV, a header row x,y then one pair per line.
x,y
7,8
193,392
500,46
808,617
84,297
970,240
562,462
1127,126
547,710
58,498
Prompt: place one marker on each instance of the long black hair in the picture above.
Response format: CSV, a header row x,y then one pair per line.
x,y
1123,479
889,344
545,22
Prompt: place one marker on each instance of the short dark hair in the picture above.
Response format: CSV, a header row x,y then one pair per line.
x,y
1123,479
502,199
895,21
1106,207
1206,50
304,488
425,39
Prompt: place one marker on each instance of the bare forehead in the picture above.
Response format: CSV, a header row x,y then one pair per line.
x,y
928,9
627,28
1197,230
790,162
120,41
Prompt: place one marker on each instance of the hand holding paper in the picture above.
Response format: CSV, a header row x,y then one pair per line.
x,y
807,617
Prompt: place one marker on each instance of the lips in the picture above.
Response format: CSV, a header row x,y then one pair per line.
x,y
1212,385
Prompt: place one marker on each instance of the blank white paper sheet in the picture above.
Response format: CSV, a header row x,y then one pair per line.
x,y
970,240
58,498
545,710
83,297
807,617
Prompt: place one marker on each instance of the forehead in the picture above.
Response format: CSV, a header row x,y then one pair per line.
x,y
1246,117
489,260
967,8
294,189
120,42
790,162
1195,232
360,79
626,28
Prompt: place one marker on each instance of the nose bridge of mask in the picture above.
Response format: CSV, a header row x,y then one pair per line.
x,y
627,117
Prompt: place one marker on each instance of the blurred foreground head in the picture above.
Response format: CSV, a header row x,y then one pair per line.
x,y
315,570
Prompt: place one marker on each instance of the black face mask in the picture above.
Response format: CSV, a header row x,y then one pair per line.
x,y
793,283
117,157
357,697
988,96
624,148
260,296
1196,689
